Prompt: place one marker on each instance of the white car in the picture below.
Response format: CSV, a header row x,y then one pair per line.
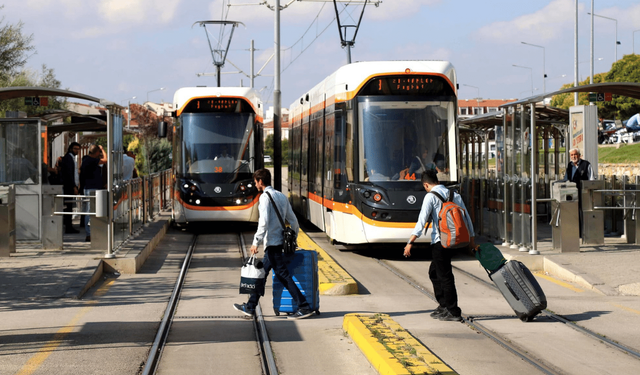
x,y
267,159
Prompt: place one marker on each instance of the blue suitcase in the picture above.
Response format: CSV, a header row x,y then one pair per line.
x,y
304,269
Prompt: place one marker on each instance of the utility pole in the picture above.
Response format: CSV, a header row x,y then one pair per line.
x,y
277,110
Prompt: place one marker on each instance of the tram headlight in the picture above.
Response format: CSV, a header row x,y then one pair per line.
x,y
377,197
186,186
197,201
238,201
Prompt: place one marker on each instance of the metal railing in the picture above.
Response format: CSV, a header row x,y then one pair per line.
x,y
136,203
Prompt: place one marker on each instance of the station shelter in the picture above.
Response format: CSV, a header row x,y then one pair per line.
x,y
25,155
501,183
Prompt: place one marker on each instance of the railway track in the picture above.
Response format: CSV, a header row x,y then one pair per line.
x,y
521,352
161,339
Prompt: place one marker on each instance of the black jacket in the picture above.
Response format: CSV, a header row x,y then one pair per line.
x,y
67,172
581,174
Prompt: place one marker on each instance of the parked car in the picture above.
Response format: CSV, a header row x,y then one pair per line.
x,y
267,159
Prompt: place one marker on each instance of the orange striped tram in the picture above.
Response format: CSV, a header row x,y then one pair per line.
x,y
217,145
360,141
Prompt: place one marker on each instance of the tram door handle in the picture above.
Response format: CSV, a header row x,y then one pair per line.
x,y
329,176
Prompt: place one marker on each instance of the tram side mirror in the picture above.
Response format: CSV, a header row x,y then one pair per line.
x,y
162,129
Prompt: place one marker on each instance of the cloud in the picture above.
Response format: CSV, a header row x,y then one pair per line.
x,y
394,10
548,23
139,11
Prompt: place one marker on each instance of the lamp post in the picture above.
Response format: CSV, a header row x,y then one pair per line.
x,y
160,89
531,72
544,75
633,39
616,41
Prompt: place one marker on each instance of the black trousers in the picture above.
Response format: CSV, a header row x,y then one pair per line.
x,y
275,259
66,219
441,275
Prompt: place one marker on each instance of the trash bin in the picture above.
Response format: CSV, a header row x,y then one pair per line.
x,y
7,220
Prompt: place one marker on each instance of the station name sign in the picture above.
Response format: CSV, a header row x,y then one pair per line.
x,y
36,101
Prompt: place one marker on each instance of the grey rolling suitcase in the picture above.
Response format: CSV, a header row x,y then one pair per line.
x,y
521,289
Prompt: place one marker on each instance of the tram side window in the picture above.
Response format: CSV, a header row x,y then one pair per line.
x,y
349,146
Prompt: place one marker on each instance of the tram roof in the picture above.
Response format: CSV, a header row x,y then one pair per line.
x,y
629,89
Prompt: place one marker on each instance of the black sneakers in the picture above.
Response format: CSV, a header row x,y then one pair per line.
x,y
437,312
301,314
447,316
244,309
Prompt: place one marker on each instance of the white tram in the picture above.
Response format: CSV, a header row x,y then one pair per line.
x,y
217,145
359,142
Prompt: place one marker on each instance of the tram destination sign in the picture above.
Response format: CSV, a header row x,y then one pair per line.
x,y
36,101
600,96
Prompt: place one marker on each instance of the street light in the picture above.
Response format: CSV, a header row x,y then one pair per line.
x,y
544,75
531,71
616,41
160,89
633,39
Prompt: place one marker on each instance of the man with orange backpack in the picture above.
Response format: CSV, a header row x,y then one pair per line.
x,y
452,228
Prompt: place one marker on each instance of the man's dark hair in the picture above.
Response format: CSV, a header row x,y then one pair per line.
x,y
263,175
72,145
430,176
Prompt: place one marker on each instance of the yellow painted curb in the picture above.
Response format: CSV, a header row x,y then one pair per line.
x,y
390,348
332,279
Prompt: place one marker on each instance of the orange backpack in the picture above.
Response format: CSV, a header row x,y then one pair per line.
x,y
453,229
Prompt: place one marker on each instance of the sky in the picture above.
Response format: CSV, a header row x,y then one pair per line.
x,y
120,49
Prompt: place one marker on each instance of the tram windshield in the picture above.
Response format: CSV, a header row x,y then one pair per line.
x,y
218,147
400,139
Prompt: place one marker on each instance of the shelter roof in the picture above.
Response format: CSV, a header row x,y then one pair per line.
x,y
629,89
487,121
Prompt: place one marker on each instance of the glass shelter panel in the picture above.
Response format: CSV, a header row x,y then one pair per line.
x,y
18,156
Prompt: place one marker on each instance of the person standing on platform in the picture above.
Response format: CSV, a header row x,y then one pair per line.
x,y
128,165
440,270
577,171
70,183
270,231
91,178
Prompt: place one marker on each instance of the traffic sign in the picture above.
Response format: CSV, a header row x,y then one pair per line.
x,y
600,96
36,101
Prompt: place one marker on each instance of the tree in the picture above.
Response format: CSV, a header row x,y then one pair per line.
x,y
268,148
14,48
626,69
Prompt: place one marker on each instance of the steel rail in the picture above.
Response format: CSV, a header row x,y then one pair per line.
x,y
264,344
165,325
567,322
520,353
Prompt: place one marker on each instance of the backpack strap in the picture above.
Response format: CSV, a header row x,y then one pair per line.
x,y
426,228
277,211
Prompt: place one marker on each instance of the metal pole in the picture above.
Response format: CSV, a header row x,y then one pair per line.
x,y
277,145
111,111
534,182
591,60
252,68
575,52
